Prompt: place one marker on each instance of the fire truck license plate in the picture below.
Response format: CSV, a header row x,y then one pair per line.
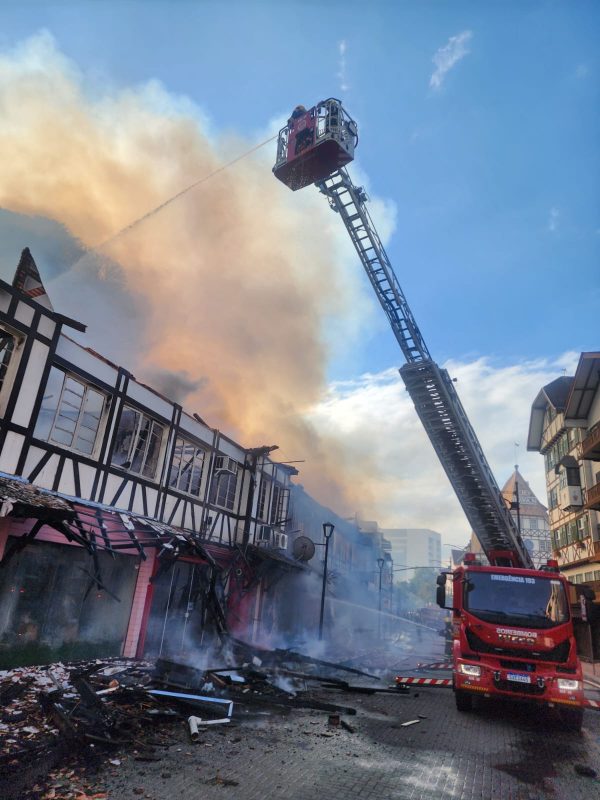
x,y
514,676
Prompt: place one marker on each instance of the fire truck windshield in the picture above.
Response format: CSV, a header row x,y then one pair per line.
x,y
516,599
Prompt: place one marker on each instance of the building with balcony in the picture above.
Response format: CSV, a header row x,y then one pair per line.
x,y
565,428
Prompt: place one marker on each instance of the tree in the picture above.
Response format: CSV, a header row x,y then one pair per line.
x,y
423,585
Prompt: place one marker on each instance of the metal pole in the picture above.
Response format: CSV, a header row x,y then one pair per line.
x,y
327,532
391,586
380,563
517,504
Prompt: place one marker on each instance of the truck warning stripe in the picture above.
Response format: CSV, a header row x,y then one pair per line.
x,y
587,703
436,665
402,680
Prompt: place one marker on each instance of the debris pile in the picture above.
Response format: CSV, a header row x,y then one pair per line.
x,y
50,713
88,709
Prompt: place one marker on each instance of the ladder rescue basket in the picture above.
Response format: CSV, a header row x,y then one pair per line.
x,y
314,144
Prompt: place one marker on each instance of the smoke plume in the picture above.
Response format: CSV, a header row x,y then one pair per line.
x,y
232,286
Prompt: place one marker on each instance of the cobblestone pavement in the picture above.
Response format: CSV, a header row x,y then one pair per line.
x,y
503,752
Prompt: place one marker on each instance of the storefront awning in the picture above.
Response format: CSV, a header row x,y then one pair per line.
x,y
93,525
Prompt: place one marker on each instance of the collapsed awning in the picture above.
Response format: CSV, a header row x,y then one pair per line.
x,y
92,525
267,554
20,499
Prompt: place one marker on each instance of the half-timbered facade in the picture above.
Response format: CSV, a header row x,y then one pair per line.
x,y
146,482
564,426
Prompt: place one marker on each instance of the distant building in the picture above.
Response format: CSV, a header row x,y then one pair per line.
x,y
530,515
564,427
414,547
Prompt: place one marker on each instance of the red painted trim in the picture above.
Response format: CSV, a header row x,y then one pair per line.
x,y
139,653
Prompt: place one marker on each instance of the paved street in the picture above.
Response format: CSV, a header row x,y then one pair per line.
x,y
509,752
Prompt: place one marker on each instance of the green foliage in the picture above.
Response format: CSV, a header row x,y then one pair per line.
x,y
423,585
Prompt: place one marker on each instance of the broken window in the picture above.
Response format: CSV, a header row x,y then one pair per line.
x,y
224,482
70,413
137,443
178,613
186,467
265,485
51,608
279,505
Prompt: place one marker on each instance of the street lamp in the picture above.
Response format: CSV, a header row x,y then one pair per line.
x,y
380,563
391,585
328,528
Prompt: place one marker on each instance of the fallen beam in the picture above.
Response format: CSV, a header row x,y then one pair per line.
x,y
194,699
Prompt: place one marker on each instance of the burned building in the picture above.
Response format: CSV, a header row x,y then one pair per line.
x,y
127,525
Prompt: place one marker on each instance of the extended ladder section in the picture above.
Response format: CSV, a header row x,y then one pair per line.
x,y
431,389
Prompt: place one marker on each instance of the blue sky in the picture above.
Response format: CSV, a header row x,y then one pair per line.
x,y
494,174
479,127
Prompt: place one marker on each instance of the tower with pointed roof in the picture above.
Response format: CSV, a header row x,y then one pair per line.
x,y
530,515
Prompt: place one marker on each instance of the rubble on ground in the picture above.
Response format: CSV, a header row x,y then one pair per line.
x,y
58,717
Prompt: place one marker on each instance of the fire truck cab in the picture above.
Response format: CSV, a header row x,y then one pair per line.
x,y
314,144
513,637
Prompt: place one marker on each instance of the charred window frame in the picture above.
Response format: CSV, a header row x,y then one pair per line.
x,y
138,443
10,344
187,466
71,412
223,488
7,347
279,506
262,507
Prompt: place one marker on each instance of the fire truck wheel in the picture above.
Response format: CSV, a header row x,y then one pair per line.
x,y
464,701
572,718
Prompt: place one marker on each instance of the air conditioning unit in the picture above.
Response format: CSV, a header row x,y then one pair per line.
x,y
280,541
570,497
226,463
264,533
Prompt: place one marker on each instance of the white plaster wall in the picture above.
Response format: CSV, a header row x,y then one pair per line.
x,y
31,382
150,400
80,357
86,480
24,313
67,482
11,452
46,476
46,327
195,429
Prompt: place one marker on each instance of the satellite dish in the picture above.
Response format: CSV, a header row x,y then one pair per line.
x,y
303,548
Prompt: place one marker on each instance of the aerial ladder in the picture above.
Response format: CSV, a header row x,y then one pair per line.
x,y
314,147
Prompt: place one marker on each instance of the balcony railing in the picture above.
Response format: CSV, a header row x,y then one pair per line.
x,y
590,446
592,500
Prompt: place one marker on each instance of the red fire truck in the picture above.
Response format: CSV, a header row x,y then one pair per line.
x,y
513,636
512,629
